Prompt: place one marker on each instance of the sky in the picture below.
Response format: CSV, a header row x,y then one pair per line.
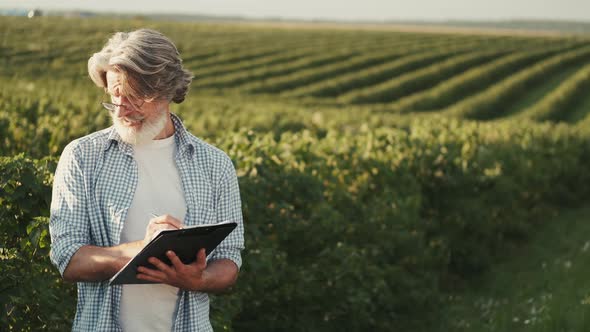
x,y
346,10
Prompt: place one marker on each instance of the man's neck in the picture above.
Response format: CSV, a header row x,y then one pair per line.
x,y
168,129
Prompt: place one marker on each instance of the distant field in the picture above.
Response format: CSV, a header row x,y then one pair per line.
x,y
473,76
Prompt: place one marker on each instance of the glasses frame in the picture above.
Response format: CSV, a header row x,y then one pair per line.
x,y
113,107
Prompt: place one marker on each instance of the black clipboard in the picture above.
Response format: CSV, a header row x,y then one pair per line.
x,y
185,243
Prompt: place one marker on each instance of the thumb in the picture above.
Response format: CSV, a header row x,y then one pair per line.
x,y
202,258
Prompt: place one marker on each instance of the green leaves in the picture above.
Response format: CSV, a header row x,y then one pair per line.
x,y
376,221
33,294
380,220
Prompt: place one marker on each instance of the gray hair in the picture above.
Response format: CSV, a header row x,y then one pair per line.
x,y
149,63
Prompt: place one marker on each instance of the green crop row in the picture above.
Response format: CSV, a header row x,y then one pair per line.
x,y
490,102
351,82
421,79
304,77
275,70
317,56
233,57
379,73
554,106
270,60
371,56
288,52
275,81
471,81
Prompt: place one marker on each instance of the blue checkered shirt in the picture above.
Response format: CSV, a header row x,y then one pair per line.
x,y
92,191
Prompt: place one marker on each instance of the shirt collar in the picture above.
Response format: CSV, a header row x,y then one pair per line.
x,y
181,138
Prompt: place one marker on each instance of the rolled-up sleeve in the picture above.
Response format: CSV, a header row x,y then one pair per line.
x,y
69,223
229,208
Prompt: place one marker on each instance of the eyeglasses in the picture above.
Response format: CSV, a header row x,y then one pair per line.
x,y
112,106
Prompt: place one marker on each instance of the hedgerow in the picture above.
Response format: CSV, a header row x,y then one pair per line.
x,y
358,232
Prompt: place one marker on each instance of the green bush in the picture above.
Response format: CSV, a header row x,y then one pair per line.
x,y
367,228
33,295
358,232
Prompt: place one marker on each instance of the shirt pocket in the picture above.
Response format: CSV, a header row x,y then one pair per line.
x,y
198,212
200,215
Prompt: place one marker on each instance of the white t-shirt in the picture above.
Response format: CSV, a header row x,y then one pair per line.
x,y
152,307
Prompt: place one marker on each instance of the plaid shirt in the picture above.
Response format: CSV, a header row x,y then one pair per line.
x,y
93,188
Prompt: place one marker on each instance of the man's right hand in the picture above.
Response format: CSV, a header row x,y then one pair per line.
x,y
92,263
158,224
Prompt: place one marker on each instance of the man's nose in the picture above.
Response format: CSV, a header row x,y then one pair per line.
x,y
125,107
123,110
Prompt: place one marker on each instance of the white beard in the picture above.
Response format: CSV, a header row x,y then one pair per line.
x,y
148,130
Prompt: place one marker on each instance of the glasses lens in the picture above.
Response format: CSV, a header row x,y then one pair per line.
x,y
109,106
133,104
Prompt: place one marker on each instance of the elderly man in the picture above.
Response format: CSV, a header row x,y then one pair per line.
x,y
109,185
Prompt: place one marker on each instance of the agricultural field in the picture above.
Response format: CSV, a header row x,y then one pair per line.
x,y
376,76
406,161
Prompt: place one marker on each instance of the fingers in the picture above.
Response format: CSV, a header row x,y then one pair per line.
x,y
176,262
150,277
163,271
166,269
154,275
179,266
178,274
158,224
167,220
201,259
201,255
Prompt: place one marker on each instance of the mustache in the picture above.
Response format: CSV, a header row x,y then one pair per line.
x,y
136,117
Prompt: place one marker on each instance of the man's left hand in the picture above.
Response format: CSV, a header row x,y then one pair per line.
x,y
184,276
